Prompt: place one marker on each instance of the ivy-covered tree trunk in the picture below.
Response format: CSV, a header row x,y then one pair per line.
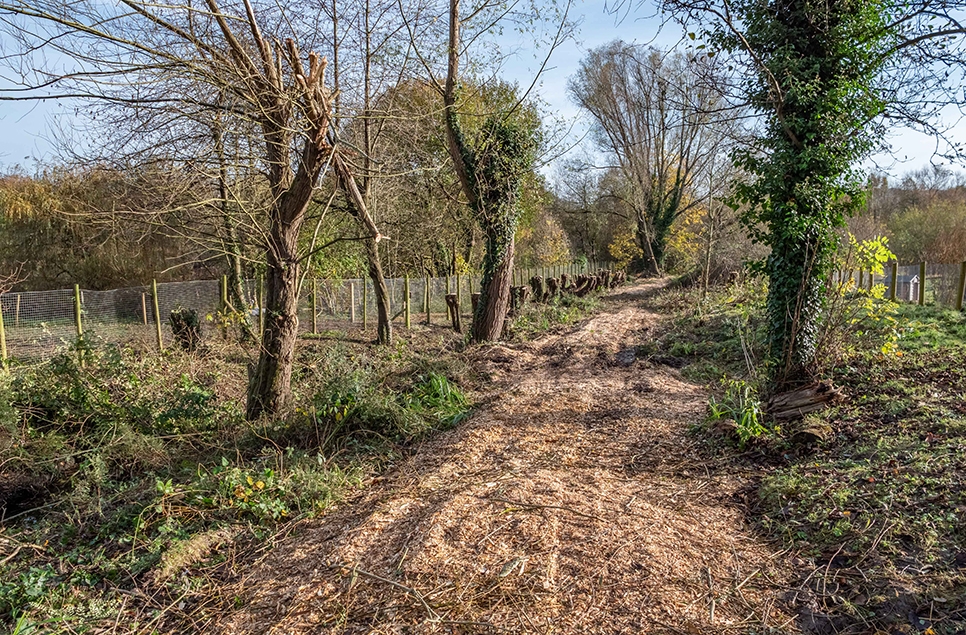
x,y
490,170
654,222
816,65
491,311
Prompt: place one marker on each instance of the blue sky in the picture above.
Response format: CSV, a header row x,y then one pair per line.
x,y
23,125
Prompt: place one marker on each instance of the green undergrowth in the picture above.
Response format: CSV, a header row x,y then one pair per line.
x,y
875,506
537,318
709,338
134,476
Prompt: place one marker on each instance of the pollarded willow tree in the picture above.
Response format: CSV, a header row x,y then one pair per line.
x,y
823,76
238,63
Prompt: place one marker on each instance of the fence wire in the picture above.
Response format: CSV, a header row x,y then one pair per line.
x,y
39,323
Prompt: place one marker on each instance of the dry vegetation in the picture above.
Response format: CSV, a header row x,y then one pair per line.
x,y
572,502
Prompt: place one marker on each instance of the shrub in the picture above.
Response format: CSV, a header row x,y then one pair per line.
x,y
740,404
186,328
113,410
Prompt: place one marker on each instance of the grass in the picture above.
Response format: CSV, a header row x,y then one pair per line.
x,y
711,338
875,512
135,476
132,483
538,318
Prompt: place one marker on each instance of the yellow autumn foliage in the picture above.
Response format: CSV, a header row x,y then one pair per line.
x,y
624,249
685,241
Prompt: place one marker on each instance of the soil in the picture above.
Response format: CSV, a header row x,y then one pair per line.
x,y
572,501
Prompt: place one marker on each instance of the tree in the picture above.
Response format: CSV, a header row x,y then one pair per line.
x,y
379,33
659,121
46,230
492,158
816,88
491,170
189,61
591,214
822,76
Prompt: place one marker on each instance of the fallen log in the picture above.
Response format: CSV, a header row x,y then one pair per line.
x,y
795,404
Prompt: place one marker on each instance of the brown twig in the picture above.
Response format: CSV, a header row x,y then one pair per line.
x,y
526,506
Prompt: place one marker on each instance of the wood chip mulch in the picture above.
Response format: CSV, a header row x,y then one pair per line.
x,y
573,501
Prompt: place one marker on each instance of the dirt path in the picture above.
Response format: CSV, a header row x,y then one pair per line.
x,y
572,502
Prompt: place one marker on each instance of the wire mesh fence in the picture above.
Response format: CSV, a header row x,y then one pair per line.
x,y
36,324
923,283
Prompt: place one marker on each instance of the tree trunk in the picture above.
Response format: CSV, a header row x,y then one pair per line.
x,y
270,389
797,278
494,292
231,243
649,263
381,292
453,303
361,212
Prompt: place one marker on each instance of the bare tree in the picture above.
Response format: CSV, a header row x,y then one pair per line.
x,y
659,121
192,60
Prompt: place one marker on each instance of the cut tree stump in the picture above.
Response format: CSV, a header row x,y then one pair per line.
x,y
553,288
797,403
536,283
454,309
518,298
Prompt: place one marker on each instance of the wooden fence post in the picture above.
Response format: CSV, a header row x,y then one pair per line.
x,y
894,286
922,284
352,302
426,299
16,315
365,303
144,308
409,323
459,292
78,323
157,314
962,286
3,339
449,290
315,306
